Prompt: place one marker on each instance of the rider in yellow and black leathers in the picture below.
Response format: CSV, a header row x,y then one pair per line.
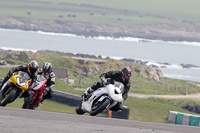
x,y
31,69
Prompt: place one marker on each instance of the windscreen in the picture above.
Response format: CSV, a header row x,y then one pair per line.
x,y
23,77
40,78
120,86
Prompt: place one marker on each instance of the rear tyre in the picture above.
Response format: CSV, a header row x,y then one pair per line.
x,y
10,97
100,108
27,102
79,110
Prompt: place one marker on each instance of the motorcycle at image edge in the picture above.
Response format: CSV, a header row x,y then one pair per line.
x,y
102,99
14,87
37,94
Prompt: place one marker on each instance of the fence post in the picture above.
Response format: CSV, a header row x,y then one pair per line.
x,y
109,114
186,88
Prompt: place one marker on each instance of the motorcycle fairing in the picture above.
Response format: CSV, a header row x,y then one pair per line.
x,y
87,105
38,85
112,93
21,80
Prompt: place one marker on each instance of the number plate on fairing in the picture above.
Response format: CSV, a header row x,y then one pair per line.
x,y
38,85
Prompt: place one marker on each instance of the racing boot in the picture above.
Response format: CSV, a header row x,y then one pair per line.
x,y
87,93
48,94
117,107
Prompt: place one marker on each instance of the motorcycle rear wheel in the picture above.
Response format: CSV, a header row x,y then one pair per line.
x,y
9,97
101,108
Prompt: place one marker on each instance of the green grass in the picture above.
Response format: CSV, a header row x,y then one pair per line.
x,y
177,102
155,109
3,72
172,86
169,8
46,106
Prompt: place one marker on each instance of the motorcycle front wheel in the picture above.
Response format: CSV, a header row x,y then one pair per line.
x,y
27,101
10,97
79,110
100,107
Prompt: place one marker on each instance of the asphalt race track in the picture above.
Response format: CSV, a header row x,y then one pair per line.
x,y
13,120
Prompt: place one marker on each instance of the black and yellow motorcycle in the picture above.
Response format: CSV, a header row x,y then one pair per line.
x,y
14,87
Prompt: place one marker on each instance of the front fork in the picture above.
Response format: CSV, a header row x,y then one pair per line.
x,y
10,87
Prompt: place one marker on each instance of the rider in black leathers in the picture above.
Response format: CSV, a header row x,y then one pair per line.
x,y
31,69
48,73
122,76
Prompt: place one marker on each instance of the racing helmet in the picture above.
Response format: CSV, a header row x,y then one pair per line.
x,y
47,67
32,67
126,73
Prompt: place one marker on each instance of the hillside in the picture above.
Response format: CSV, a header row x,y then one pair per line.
x,y
154,19
85,71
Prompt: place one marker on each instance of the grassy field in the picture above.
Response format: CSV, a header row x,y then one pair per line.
x,y
47,106
123,13
154,109
168,8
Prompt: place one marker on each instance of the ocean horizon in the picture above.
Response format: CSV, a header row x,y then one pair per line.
x,y
129,39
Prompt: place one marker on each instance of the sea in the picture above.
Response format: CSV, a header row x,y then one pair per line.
x,y
169,57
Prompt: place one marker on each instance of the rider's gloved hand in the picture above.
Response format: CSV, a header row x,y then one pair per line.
x,y
10,73
103,80
125,96
84,97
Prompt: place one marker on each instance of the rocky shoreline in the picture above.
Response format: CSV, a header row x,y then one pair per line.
x,y
95,30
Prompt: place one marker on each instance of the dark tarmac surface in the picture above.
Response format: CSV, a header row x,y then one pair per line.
x,y
14,120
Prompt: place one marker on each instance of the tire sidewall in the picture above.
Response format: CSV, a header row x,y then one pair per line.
x,y
101,108
79,110
27,101
10,98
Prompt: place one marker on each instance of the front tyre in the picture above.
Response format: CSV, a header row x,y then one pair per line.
x,y
27,101
79,110
100,107
10,97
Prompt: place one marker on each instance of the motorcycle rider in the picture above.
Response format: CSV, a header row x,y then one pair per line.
x,y
122,76
31,69
48,73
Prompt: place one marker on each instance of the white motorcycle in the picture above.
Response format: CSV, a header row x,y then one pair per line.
x,y
102,99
